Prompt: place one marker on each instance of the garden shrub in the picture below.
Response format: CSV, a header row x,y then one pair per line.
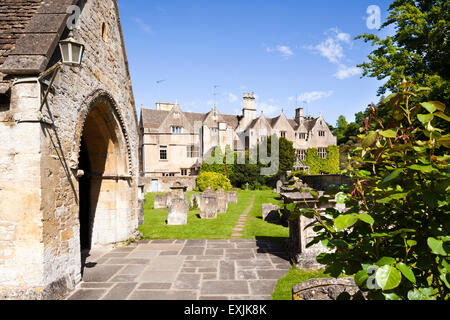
x,y
214,180
394,238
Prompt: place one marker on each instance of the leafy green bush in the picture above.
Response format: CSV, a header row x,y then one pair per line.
x,y
395,236
298,174
317,166
214,180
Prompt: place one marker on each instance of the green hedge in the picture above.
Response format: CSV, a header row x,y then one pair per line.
x,y
330,165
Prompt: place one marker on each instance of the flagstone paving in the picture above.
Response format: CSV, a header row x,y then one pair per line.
x,y
184,270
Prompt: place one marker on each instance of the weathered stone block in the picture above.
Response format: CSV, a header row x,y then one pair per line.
x,y
324,289
232,197
279,185
222,201
160,201
178,210
141,212
299,236
270,212
208,205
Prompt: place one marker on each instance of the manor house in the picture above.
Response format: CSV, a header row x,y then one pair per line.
x,y
173,143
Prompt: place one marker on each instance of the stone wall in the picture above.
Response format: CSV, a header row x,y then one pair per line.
x,y
164,183
39,191
323,182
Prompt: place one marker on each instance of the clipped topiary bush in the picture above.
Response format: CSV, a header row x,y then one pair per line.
x,y
214,180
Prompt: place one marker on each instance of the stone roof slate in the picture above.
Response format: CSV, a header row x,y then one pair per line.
x,y
29,33
153,119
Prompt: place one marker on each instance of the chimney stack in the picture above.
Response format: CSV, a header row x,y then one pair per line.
x,y
299,115
249,101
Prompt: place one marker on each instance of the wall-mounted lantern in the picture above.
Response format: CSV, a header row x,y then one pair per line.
x,y
71,51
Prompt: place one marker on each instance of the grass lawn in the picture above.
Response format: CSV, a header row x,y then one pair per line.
x,y
256,227
283,290
155,226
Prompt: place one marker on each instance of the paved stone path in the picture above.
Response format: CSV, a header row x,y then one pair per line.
x,y
184,270
241,222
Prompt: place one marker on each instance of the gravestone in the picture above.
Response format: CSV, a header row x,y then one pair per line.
x,y
222,201
160,201
208,204
178,209
178,191
232,197
271,213
279,185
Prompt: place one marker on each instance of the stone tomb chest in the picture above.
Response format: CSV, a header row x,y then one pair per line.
x,y
232,197
299,235
222,201
178,210
208,205
160,201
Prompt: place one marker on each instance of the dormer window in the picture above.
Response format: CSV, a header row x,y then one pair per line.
x,y
321,133
302,136
177,130
283,134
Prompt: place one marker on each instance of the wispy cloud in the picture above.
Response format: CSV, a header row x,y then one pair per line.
x,y
330,49
285,51
345,72
231,97
143,26
269,108
308,97
333,50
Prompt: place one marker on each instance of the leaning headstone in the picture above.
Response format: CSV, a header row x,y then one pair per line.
x,y
160,201
222,201
232,197
270,212
178,210
208,205
279,185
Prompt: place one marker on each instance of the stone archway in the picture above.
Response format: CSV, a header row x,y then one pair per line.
x,y
106,187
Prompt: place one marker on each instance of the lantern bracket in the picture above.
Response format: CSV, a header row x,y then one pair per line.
x,y
55,69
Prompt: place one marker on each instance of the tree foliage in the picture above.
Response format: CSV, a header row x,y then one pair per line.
x,y
394,238
419,51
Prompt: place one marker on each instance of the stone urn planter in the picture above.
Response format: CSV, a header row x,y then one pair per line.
x,y
324,289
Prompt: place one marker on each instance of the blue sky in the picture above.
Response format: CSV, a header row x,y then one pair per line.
x,y
277,49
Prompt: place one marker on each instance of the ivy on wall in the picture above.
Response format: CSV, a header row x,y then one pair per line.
x,y
317,166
